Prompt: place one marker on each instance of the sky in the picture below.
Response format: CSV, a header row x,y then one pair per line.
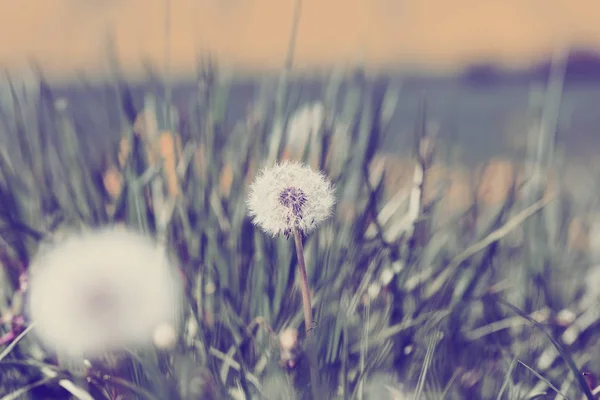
x,y
65,36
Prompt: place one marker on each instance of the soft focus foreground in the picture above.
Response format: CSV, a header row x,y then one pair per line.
x,y
101,291
430,280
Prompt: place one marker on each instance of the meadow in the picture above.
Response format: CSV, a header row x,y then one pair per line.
x,y
445,271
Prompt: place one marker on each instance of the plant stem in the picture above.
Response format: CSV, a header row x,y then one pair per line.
x,y
311,342
303,281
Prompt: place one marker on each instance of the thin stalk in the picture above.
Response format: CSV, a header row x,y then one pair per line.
x,y
277,135
303,281
311,343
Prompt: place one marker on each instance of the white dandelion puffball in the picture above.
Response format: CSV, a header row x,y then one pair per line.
x,y
305,124
165,336
290,195
102,290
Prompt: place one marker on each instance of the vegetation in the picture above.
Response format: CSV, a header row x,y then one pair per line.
x,y
408,301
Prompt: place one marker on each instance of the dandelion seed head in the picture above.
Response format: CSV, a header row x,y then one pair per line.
x,y
101,291
165,336
294,200
288,339
304,125
288,196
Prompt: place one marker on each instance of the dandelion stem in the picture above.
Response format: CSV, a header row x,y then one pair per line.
x,y
312,350
303,281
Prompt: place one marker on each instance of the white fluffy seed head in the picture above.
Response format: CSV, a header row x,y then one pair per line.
x,y
165,336
290,195
304,125
288,339
101,291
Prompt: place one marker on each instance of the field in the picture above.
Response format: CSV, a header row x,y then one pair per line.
x,y
458,262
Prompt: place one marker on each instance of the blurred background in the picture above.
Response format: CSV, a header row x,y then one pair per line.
x,y
478,62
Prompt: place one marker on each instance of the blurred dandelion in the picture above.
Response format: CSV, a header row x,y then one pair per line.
x,y
165,336
289,346
304,126
101,291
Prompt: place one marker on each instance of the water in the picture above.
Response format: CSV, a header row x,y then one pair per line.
x,y
482,121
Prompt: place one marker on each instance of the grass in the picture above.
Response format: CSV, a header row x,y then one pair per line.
x,y
407,301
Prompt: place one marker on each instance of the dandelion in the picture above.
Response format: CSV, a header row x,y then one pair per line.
x,y
292,199
290,196
289,346
304,125
101,291
165,336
